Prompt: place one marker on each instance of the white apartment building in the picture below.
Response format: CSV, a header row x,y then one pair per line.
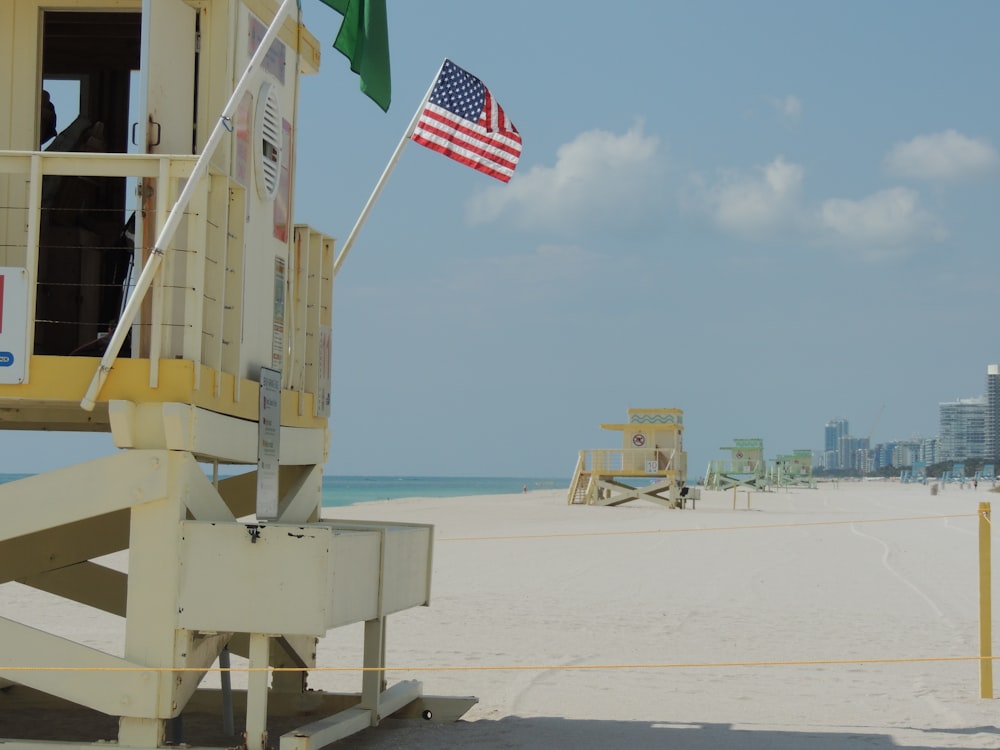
x,y
963,429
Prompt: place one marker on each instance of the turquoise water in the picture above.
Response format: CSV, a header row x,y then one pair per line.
x,y
349,490
338,490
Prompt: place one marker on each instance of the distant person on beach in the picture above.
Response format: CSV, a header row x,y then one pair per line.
x,y
524,489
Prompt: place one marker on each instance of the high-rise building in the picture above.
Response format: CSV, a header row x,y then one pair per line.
x,y
835,431
963,429
993,413
930,450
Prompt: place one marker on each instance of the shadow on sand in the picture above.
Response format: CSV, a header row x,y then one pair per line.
x,y
529,732
551,732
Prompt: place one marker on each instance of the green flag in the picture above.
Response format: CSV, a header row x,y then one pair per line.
x,y
364,39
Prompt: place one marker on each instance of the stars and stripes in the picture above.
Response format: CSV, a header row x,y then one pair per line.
x,y
464,122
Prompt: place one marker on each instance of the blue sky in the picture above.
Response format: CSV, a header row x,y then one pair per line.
x,y
767,214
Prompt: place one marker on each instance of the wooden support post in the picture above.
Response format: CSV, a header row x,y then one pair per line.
x,y
373,679
228,721
985,606
256,724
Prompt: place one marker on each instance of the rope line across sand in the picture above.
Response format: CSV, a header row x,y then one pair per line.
x,y
568,534
580,667
526,667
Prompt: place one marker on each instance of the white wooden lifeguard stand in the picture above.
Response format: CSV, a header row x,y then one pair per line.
x,y
652,450
746,466
217,354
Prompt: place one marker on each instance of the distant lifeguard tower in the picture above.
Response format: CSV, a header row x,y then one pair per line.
x,y
216,354
955,474
916,473
793,470
652,450
745,467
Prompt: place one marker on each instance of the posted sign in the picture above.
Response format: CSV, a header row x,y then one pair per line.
x,y
268,448
13,325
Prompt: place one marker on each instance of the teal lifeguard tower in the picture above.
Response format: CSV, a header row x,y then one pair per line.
x,y
652,452
916,473
955,474
745,466
154,286
793,470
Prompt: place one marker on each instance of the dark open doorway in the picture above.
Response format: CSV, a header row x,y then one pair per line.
x,y
85,248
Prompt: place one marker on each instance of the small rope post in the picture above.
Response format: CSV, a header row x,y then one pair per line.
x,y
985,606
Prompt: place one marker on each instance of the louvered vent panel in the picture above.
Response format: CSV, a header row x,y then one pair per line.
x,y
268,142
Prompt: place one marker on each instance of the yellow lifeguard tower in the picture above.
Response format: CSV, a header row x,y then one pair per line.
x,y
745,467
217,353
652,449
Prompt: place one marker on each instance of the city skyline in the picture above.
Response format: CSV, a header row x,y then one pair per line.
x,y
967,430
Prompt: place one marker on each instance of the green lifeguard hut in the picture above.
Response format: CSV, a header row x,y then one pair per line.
x,y
652,450
216,354
793,470
745,466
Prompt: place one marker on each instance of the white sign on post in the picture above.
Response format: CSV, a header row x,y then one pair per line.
x,y
268,445
13,325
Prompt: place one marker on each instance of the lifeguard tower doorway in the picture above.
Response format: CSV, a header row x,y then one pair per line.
x,y
91,225
85,245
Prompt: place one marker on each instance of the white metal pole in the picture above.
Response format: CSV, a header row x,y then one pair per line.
x,y
385,176
177,212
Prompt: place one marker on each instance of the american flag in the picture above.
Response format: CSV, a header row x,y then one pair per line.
x,y
463,121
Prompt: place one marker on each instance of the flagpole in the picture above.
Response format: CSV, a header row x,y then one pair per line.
x,y
385,175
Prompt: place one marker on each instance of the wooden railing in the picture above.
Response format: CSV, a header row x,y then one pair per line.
x,y
195,307
628,461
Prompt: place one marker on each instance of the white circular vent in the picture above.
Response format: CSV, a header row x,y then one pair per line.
x,y
267,141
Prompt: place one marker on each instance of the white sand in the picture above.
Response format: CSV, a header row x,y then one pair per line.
x,y
529,581
572,586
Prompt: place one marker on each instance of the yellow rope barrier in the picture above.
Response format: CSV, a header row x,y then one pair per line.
x,y
569,534
528,667
983,659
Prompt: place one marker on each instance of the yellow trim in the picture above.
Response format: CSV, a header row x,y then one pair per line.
x,y
292,33
650,427
655,411
612,473
62,381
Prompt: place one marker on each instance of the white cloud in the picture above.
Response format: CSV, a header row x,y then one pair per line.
x,y
600,179
767,203
882,226
789,107
753,204
943,156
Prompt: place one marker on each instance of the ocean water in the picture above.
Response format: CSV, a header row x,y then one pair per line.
x,y
338,490
348,490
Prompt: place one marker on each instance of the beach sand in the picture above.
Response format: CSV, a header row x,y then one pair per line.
x,y
641,627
